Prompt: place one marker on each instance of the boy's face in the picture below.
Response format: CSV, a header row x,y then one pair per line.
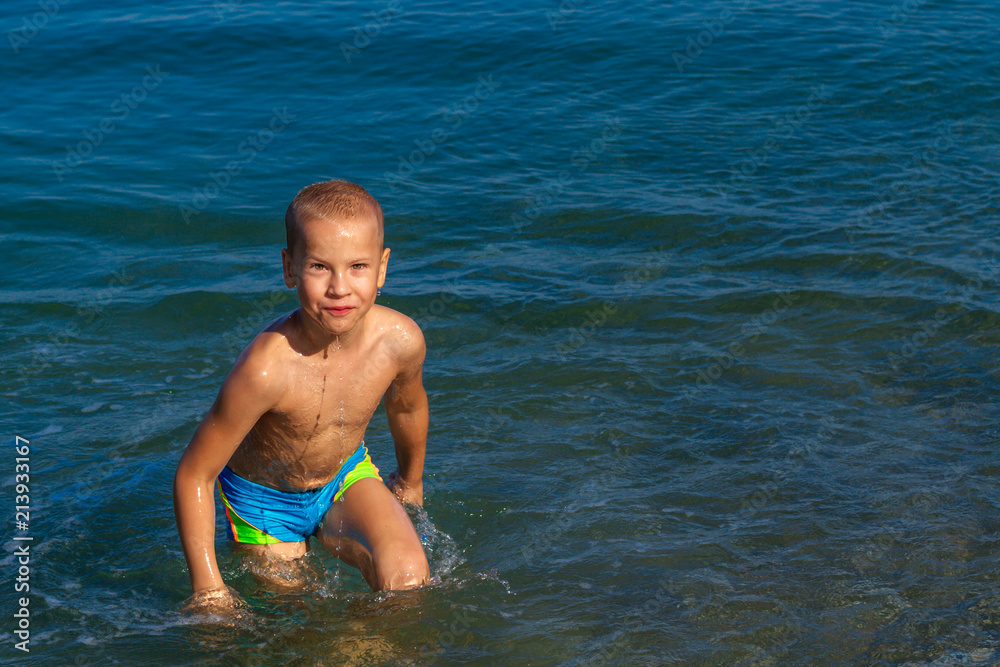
x,y
337,267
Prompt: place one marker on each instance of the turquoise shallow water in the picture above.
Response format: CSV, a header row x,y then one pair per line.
x,y
709,292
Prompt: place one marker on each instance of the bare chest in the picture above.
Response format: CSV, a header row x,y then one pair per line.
x,y
332,396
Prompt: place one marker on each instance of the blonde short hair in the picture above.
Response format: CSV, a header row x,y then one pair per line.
x,y
333,200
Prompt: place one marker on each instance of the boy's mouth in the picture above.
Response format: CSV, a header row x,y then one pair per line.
x,y
339,310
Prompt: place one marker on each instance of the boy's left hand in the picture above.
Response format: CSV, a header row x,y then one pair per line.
x,y
405,491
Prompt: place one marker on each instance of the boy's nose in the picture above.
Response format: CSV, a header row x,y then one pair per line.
x,y
338,285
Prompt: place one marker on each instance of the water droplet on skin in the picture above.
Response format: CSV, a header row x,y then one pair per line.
x,y
340,528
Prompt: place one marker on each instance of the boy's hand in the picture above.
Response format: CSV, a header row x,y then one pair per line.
x,y
222,601
405,491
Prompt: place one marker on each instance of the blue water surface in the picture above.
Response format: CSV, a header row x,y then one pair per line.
x,y
709,292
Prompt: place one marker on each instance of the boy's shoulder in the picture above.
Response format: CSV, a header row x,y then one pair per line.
x,y
402,335
259,368
265,348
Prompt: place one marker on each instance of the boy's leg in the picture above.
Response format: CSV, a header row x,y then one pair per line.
x,y
369,529
276,565
278,550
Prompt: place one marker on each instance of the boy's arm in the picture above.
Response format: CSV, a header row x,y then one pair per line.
x,y
247,393
407,413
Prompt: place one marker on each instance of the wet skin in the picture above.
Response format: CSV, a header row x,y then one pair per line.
x,y
297,404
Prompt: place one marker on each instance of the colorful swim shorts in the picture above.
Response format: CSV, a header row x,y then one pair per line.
x,y
258,514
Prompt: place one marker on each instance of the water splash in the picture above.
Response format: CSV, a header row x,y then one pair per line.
x,y
443,554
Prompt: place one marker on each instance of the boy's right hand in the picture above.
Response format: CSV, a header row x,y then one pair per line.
x,y
406,492
222,601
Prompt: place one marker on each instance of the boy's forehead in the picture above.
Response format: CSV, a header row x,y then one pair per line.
x,y
317,229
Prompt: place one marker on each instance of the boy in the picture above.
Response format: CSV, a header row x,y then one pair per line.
x,y
285,437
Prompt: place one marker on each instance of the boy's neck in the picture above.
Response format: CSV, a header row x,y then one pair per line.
x,y
320,340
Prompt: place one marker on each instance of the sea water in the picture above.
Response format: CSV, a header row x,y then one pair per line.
x,y
709,292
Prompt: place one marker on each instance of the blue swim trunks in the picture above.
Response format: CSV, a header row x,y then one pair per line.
x,y
258,514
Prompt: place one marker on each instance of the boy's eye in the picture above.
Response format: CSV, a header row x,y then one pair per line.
x,y
359,266
316,266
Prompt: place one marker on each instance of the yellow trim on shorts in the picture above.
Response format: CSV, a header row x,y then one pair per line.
x,y
365,468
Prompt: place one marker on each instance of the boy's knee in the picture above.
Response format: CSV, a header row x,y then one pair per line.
x,y
403,567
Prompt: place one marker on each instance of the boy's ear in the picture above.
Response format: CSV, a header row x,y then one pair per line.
x,y
383,263
286,268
